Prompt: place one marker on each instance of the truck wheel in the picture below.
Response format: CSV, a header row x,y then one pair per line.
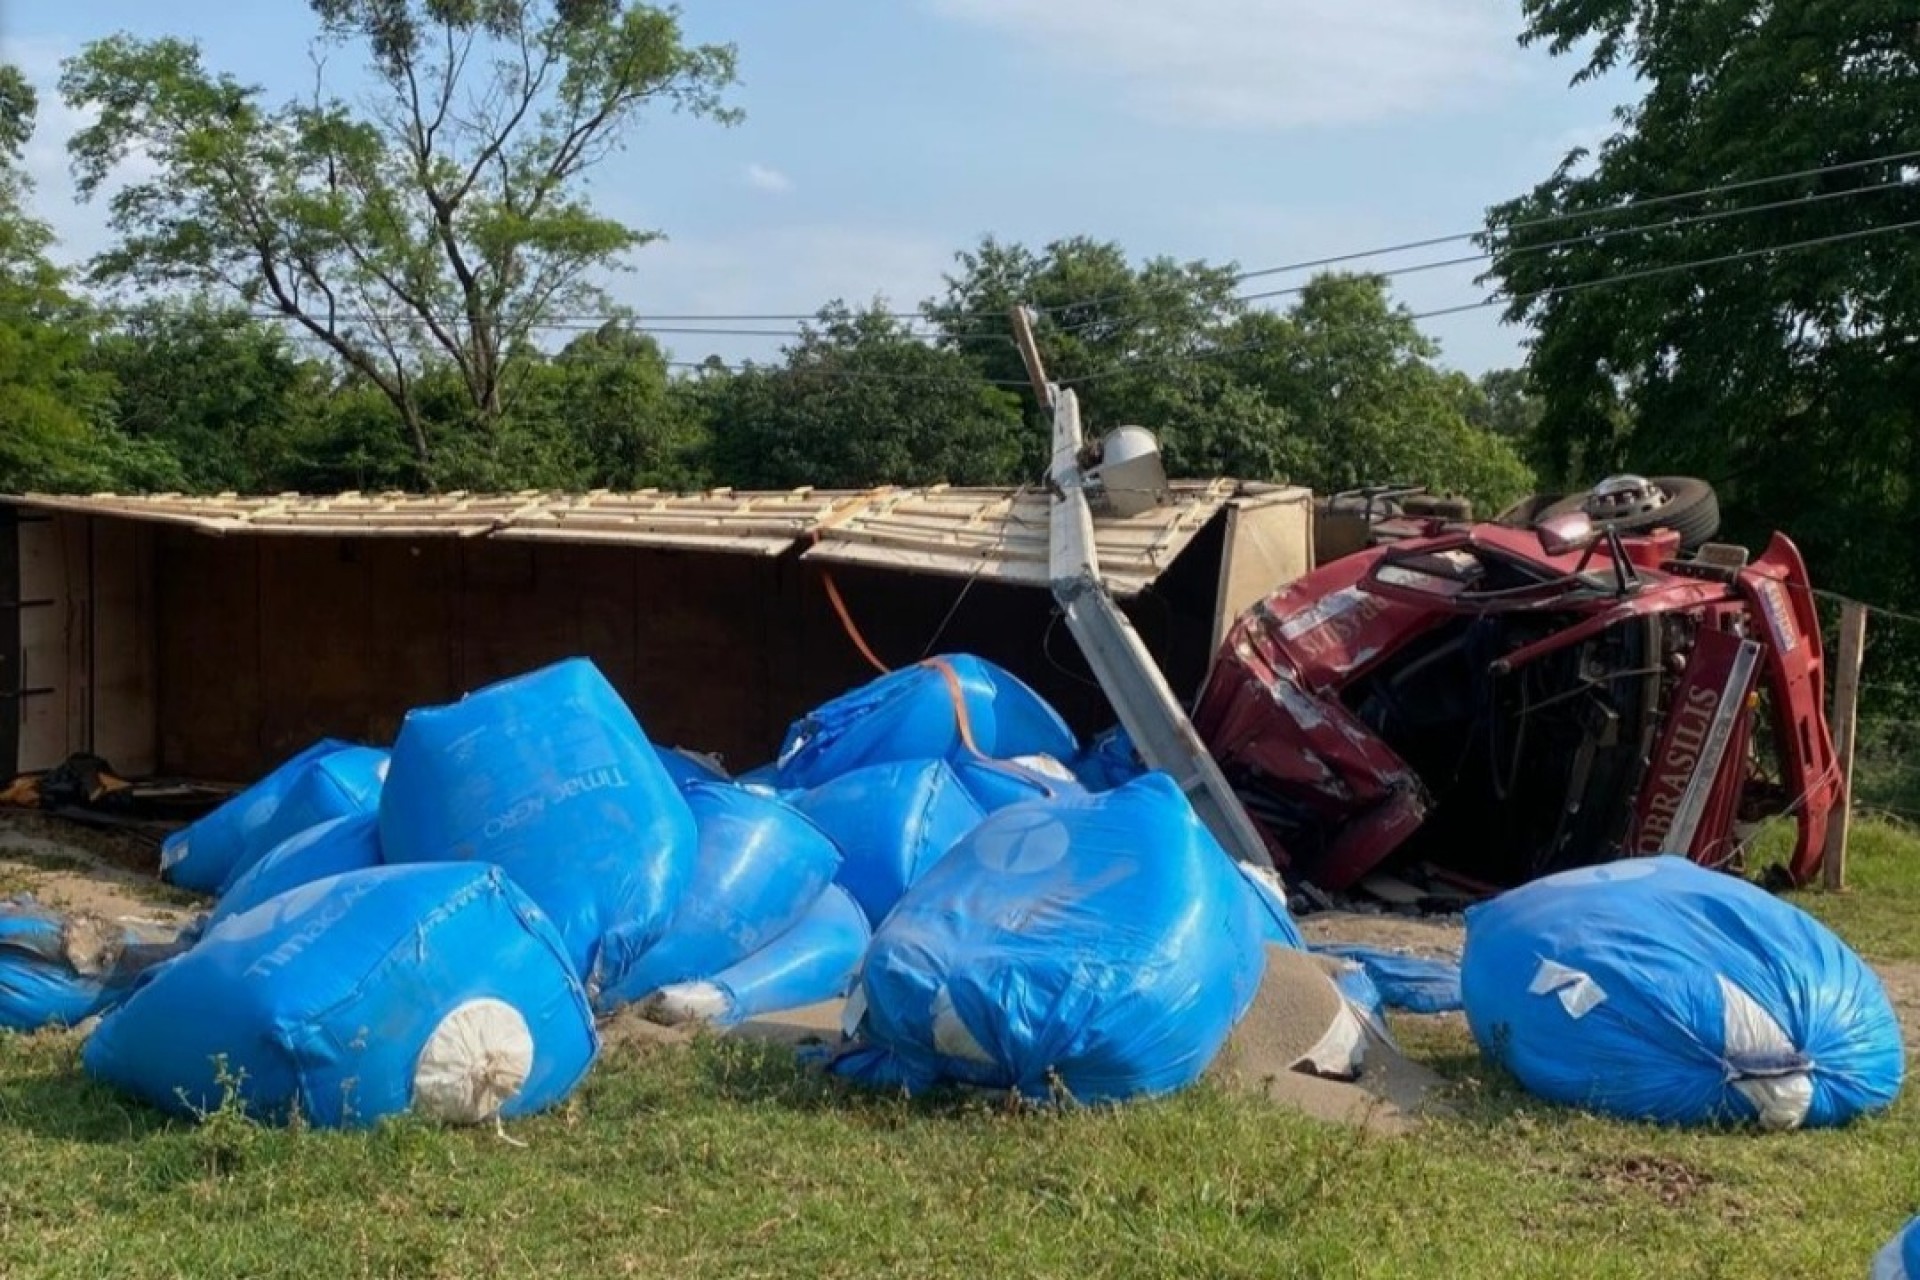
x,y
1633,505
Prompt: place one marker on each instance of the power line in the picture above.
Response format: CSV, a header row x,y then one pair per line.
x,y
1545,220
1597,237
1536,295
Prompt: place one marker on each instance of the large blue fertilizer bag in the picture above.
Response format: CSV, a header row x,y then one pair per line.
x,y
760,866
1105,943
201,857
327,849
1900,1260
996,784
815,961
58,970
441,990
1654,989
892,822
1270,901
550,777
942,709
339,784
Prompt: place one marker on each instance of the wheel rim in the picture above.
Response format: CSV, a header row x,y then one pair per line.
x,y
1624,497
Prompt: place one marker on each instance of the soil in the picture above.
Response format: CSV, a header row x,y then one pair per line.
x,y
1902,981
1294,1008
74,868
1420,935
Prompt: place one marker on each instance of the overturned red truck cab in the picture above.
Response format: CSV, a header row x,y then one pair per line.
x,y
1491,702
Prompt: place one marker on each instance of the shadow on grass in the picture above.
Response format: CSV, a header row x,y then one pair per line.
x,y
760,1072
69,1107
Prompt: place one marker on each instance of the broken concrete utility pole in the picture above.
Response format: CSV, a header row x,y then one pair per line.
x,y
1119,659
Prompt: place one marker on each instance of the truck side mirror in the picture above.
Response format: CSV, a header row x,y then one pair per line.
x,y
1562,534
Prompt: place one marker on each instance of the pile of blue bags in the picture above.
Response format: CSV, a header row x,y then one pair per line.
x,y
1654,989
434,927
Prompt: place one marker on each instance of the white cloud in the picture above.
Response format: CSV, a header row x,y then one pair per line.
x,y
80,228
765,178
1270,64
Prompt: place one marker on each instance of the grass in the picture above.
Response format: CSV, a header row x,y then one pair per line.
x,y
729,1160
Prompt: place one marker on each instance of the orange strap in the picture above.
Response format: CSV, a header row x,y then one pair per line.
x,y
846,621
965,725
954,691
959,697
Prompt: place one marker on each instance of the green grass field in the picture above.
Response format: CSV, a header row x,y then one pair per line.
x,y
727,1160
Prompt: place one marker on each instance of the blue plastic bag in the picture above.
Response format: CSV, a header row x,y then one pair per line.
x,y
1900,1260
892,822
1655,989
440,989
760,865
1270,897
549,776
1414,983
49,979
39,985
1106,942
996,784
1109,761
814,961
326,849
912,714
688,767
202,856
336,785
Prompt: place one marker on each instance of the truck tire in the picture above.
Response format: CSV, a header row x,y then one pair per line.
x,y
1692,510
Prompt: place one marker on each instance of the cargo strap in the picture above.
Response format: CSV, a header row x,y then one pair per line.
x,y
846,622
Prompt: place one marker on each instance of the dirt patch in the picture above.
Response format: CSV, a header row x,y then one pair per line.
x,y
68,867
1673,1183
629,1032
1902,982
1296,1005
1420,935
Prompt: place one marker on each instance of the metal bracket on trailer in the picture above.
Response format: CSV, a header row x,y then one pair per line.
x,y
1127,673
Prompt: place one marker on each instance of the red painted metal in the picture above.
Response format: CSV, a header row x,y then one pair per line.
x,y
1273,713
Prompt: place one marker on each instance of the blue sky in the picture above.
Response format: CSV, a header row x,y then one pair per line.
x,y
884,135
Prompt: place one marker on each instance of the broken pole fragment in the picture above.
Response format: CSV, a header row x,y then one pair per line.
x,y
1119,659
1846,705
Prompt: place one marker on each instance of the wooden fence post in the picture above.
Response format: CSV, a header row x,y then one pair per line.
x,y
1846,703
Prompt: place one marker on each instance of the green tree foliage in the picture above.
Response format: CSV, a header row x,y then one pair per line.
x,y
1125,338
1357,380
1337,391
606,414
52,405
218,390
438,224
1789,375
862,401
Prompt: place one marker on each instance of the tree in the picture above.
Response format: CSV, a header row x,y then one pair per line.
x,y
1357,380
1122,335
859,402
604,413
447,219
1765,332
1339,390
220,390
52,405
